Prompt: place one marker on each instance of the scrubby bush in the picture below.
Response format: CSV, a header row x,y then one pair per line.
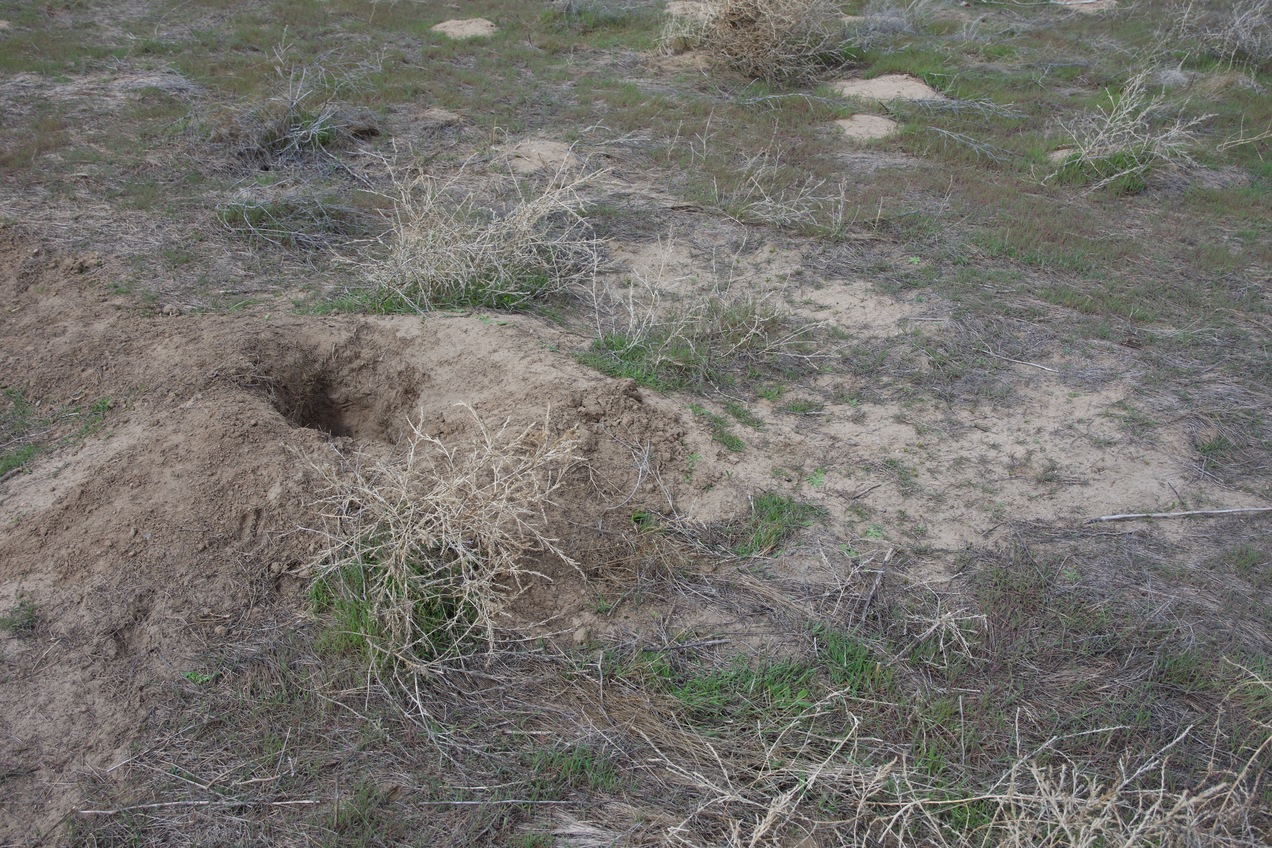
x,y
772,40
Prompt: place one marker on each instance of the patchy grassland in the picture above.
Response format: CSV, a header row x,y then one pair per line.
x,y
889,639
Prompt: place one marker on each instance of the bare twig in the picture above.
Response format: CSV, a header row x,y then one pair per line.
x,y
1132,516
169,804
989,352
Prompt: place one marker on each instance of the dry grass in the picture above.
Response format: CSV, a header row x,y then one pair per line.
x,y
661,340
304,115
425,550
449,247
883,20
775,40
819,778
1236,33
1119,144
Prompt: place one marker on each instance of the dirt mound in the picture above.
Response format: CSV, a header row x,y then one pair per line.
x,y
140,545
1087,7
537,154
866,127
887,87
466,28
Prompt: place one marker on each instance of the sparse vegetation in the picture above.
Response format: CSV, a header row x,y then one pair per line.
x,y
774,519
847,598
20,619
302,115
447,248
695,346
1235,32
1117,146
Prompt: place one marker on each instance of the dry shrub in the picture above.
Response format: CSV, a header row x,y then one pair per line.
x,y
304,115
448,247
883,20
1119,144
774,40
1237,32
426,549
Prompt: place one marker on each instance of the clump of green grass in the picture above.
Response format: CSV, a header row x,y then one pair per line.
x,y
743,415
774,519
20,619
578,766
720,430
447,248
851,664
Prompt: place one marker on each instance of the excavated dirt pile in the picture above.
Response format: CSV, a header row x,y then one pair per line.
x,y
141,544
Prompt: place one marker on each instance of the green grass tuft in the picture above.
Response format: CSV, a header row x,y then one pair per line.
x,y
774,519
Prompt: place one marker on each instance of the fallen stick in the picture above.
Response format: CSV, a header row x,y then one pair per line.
x,y
1021,361
1130,516
165,804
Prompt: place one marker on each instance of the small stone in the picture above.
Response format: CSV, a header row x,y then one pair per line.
x,y
219,630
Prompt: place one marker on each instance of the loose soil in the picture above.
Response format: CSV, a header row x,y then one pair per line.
x,y
162,534
867,127
887,87
466,28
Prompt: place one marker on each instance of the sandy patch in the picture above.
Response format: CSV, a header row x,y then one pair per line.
x,y
466,28
1087,7
538,154
108,88
867,127
887,87
853,306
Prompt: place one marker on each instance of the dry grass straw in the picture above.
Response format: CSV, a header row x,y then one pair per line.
x,y
1237,32
884,20
304,115
776,40
1127,138
447,247
818,777
428,548
697,338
